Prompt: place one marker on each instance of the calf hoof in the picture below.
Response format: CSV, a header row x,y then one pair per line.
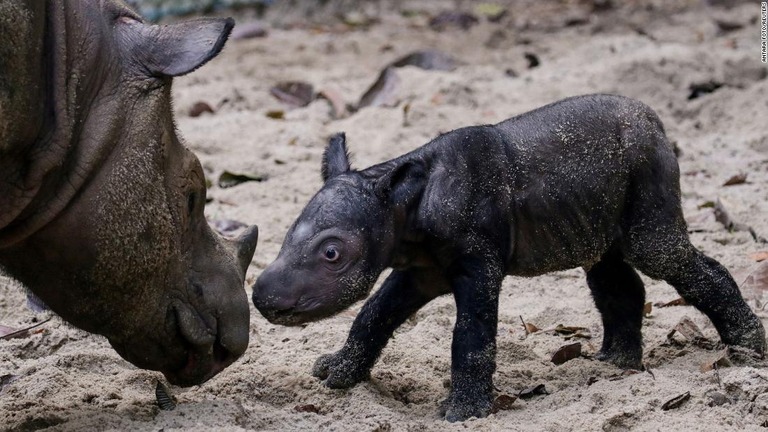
x,y
621,359
453,410
338,371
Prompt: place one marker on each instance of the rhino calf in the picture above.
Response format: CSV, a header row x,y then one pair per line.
x,y
586,182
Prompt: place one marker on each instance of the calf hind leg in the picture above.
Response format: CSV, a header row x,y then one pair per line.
x,y
706,285
619,295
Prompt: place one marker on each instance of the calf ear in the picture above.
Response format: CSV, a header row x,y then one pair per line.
x,y
336,157
403,184
174,49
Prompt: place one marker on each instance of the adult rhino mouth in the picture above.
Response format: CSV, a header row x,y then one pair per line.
x,y
206,353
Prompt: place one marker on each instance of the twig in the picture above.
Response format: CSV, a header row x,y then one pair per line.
x,y
525,327
18,332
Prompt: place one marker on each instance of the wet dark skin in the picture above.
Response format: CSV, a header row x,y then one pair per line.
x,y
589,182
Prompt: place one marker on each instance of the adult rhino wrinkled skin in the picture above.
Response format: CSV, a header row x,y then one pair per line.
x,y
101,206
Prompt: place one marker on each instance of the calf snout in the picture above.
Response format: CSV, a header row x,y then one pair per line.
x,y
272,301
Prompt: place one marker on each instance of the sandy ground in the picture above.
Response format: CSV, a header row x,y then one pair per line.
x,y
64,379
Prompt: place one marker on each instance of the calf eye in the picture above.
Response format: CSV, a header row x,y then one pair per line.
x,y
331,254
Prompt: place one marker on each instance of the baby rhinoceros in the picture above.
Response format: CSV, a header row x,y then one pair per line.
x,y
589,181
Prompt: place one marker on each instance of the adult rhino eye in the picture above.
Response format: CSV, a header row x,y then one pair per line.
x,y
191,202
331,254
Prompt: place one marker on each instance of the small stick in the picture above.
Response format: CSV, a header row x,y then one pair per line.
x,y
525,327
18,332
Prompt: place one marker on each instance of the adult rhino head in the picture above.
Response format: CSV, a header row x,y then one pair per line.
x,y
101,205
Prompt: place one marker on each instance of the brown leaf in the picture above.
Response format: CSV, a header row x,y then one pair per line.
x,y
503,402
276,114
383,92
307,408
717,361
199,108
428,60
448,19
647,308
530,328
248,30
676,402
530,392
568,330
566,353
759,256
338,106
676,302
757,280
294,93
736,180
229,179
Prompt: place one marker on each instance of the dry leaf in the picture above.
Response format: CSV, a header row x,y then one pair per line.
x,y
199,108
229,179
307,408
719,360
530,392
566,353
530,328
736,180
676,302
276,114
11,333
503,402
383,92
676,401
428,60
647,309
759,256
294,93
338,106
569,330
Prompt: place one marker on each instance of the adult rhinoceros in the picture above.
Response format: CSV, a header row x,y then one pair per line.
x,y
101,206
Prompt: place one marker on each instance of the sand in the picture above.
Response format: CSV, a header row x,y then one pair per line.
x,y
64,379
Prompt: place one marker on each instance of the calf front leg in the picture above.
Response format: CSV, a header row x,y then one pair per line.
x,y
476,283
401,295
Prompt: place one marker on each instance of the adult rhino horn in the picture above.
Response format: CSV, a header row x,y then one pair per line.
x,y
174,49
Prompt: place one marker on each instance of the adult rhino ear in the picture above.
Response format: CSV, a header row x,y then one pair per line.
x,y
336,157
174,49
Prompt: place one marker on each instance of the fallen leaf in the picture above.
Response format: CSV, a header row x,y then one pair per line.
x,y
530,392
383,92
530,328
165,400
276,114
503,402
759,256
229,179
533,60
676,402
428,60
568,330
309,408
700,89
227,226
199,108
719,360
676,302
757,280
248,30
448,19
294,93
566,353
647,309
493,11
736,180
338,106
688,329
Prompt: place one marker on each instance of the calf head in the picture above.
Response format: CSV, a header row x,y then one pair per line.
x,y
341,242
114,239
